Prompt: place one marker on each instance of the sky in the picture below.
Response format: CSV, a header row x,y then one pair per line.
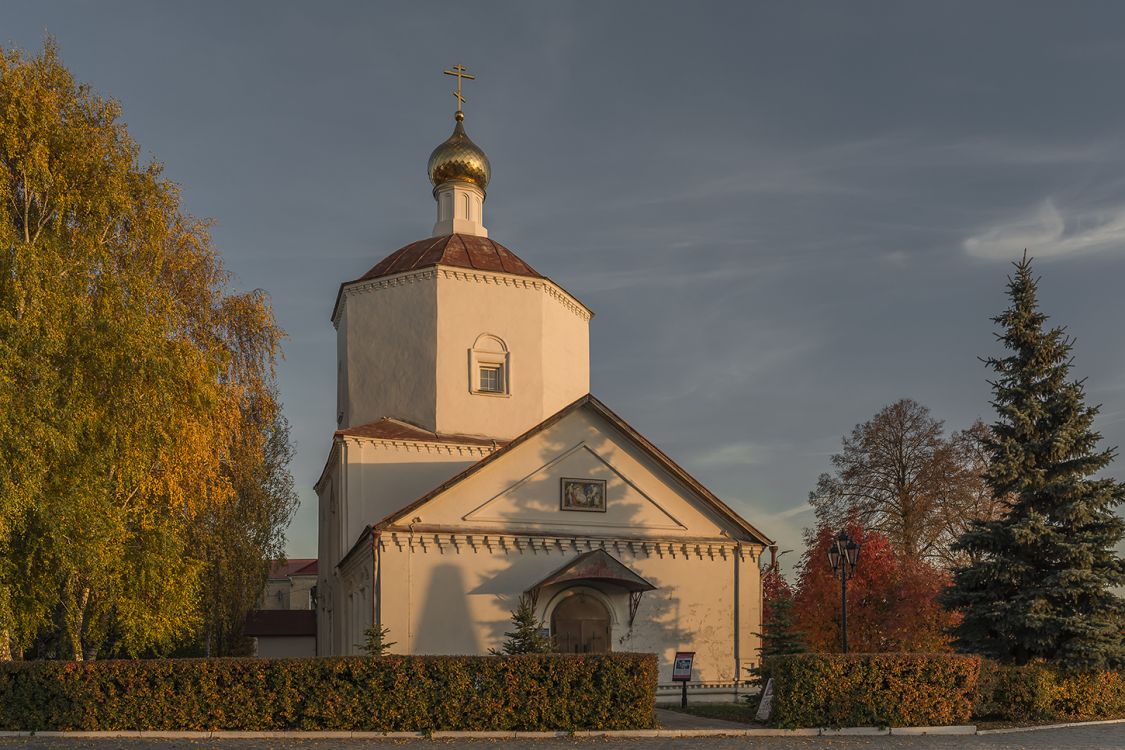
x,y
784,215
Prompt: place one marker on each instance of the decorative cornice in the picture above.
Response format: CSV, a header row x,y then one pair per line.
x,y
475,452
422,539
559,294
420,446
547,286
383,282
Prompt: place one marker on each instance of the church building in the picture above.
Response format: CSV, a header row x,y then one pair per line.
x,y
471,466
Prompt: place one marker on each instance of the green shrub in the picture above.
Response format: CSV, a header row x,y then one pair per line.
x,y
1039,692
834,690
391,693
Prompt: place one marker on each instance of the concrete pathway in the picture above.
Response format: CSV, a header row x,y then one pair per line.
x,y
678,720
1104,737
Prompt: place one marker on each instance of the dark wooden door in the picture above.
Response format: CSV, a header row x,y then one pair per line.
x,y
580,625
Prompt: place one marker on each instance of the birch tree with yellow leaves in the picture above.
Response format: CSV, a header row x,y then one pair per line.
x,y
131,375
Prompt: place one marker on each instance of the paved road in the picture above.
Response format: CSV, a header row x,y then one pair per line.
x,y
1104,737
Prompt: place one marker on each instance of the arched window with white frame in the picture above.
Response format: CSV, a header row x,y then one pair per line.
x,y
490,366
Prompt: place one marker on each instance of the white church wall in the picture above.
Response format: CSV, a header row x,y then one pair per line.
x,y
565,353
547,343
386,339
404,344
355,600
693,606
380,477
642,499
749,612
459,590
384,477
327,557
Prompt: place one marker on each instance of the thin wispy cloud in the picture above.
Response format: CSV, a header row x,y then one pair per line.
x,y
1049,234
742,453
1008,152
600,282
793,512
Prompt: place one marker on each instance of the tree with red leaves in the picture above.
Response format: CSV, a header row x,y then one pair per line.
x,y
892,602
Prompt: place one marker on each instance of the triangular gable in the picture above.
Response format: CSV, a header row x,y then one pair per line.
x,y
535,497
511,502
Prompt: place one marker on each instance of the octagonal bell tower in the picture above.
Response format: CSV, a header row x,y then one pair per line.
x,y
455,333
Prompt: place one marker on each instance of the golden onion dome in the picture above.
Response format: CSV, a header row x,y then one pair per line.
x,y
459,159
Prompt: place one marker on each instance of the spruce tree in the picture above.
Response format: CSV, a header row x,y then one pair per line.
x,y
527,638
779,631
779,625
375,641
1040,584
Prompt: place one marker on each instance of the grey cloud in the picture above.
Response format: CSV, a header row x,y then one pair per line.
x,y
1046,233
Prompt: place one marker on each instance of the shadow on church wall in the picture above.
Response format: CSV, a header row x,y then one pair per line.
x,y
445,625
399,483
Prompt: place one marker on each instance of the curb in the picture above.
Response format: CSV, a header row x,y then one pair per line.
x,y
964,729
1014,730
446,735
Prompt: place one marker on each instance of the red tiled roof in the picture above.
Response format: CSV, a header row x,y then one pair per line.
x,y
293,567
280,622
597,565
461,250
307,570
389,428
456,250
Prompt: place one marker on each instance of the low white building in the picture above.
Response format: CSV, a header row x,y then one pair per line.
x,y
284,624
291,584
471,465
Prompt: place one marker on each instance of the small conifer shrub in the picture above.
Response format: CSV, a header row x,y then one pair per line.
x,y
375,641
527,637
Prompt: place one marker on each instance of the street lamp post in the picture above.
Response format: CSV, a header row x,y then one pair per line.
x,y
843,555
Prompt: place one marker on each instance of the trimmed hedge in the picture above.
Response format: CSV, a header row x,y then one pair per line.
x,y
392,693
1038,692
856,690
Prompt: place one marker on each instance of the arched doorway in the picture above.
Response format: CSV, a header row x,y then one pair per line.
x,y
580,625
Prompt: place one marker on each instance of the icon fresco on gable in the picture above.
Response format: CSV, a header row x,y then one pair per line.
x,y
583,494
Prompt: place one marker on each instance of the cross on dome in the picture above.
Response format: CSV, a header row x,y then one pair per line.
x,y
460,71
459,171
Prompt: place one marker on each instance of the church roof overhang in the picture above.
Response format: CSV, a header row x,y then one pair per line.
x,y
304,566
690,482
388,430
398,430
461,250
597,566
453,251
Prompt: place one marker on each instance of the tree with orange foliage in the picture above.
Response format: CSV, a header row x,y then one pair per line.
x,y
892,602
143,448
